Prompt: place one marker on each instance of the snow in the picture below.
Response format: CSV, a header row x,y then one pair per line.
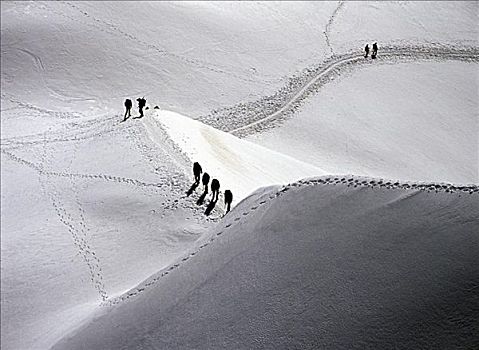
x,y
319,264
387,121
162,50
239,165
445,22
94,212
85,221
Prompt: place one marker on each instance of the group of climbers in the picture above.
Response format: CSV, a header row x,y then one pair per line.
x,y
373,53
128,105
215,186
141,104
197,170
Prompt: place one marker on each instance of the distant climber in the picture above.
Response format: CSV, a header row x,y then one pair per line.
x,y
128,105
228,200
375,51
205,180
141,104
156,107
215,188
197,172
366,49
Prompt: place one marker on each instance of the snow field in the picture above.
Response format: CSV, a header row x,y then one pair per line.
x,y
96,226
409,121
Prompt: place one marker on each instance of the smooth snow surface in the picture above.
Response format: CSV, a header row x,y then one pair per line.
x,y
317,265
239,165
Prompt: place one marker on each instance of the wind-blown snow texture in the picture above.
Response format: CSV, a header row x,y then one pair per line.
x,y
92,209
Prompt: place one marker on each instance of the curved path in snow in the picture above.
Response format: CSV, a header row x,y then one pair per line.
x,y
266,113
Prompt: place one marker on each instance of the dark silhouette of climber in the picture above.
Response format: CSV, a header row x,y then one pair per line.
x,y
228,200
205,180
197,172
141,104
215,189
375,51
128,105
366,49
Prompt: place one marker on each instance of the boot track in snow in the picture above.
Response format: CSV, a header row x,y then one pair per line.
x,y
234,217
268,112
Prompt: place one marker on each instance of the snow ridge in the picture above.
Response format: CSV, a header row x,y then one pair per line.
x,y
278,191
268,112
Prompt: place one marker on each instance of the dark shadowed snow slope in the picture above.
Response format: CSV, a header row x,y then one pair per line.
x,y
314,265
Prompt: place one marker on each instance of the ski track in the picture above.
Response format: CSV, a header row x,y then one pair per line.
x,y
234,218
36,59
270,111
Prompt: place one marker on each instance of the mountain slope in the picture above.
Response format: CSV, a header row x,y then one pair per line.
x,y
91,206
320,264
240,166
408,121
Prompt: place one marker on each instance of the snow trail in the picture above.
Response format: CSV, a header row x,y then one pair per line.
x,y
268,112
76,226
327,29
100,176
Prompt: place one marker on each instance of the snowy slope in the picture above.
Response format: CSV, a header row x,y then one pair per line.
x,y
90,207
84,219
319,264
239,165
107,208
408,121
446,22
192,57
187,56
